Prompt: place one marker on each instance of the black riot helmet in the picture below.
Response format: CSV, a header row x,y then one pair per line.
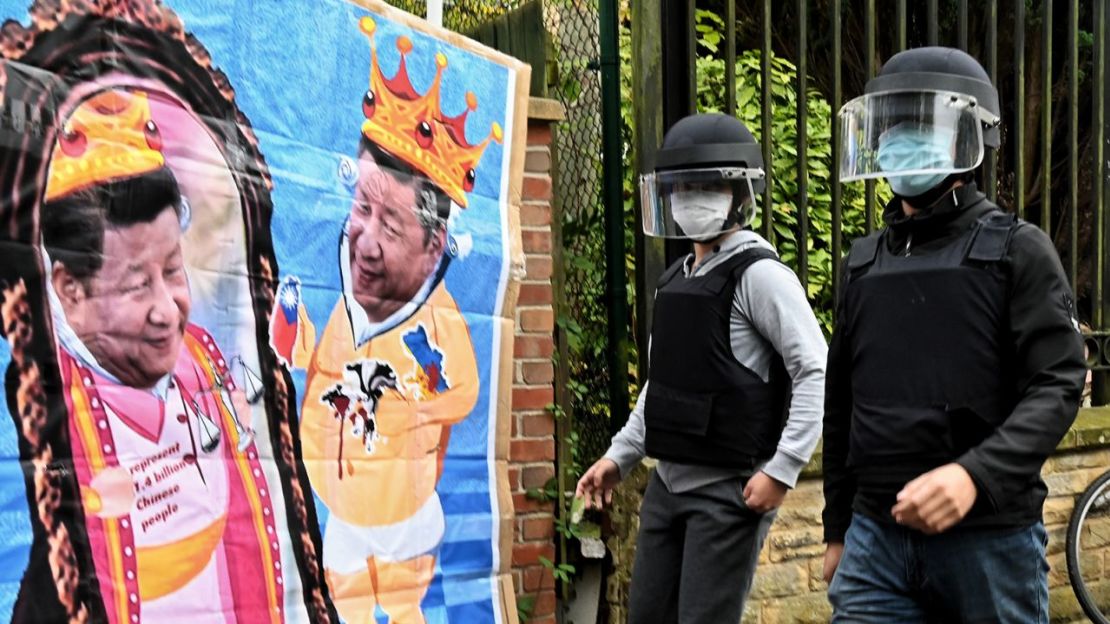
x,y
708,175
928,115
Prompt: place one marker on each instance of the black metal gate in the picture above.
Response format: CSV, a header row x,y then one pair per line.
x,y
1048,60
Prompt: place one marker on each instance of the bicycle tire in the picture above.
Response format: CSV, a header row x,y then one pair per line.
x,y
1071,548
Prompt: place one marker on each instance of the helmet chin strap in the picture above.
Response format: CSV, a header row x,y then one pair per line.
x,y
925,200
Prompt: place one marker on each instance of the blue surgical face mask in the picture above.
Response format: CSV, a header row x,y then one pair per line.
x,y
905,148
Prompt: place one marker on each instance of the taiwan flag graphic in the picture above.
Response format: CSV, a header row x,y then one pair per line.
x,y
283,322
429,358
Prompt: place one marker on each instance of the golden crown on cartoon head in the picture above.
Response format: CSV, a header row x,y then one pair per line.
x,y
413,128
109,136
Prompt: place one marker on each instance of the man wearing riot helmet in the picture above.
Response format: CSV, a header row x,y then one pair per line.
x,y
732,404
955,368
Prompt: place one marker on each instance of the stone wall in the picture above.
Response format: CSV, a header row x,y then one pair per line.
x,y
788,588
1082,456
532,448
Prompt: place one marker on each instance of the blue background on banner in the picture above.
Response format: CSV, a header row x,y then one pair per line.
x,y
15,525
299,76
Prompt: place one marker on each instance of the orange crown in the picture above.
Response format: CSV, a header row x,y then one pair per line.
x,y
110,136
413,128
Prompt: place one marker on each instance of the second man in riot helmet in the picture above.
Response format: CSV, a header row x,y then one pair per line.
x,y
954,370
736,375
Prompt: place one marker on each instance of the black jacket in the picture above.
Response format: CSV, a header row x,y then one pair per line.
x,y
1047,374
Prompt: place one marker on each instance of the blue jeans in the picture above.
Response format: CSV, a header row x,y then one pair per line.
x,y
893,574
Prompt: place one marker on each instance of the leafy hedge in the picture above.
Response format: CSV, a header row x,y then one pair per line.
x,y
785,167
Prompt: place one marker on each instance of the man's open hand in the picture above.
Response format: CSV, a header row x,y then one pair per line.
x,y
596,486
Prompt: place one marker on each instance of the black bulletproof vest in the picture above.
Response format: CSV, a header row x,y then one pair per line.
x,y
931,374
703,407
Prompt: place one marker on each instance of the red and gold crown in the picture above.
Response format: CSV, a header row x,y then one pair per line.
x,y
413,128
110,136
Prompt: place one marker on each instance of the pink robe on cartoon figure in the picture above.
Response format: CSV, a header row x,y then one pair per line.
x,y
179,517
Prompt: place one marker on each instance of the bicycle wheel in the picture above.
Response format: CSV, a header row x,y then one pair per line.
x,y
1088,549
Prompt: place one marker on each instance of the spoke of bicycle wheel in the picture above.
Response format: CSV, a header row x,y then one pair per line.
x,y
1088,550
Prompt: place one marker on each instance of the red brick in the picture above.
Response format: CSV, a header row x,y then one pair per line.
x,y
537,160
532,398
532,451
529,553
537,425
533,347
523,504
539,134
536,187
536,241
536,577
546,619
536,476
537,372
535,214
541,528
538,267
539,320
545,604
534,294
518,580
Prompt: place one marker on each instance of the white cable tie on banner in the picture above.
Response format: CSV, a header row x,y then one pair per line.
x,y
435,12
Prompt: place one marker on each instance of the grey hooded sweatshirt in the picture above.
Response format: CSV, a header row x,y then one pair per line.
x,y
770,313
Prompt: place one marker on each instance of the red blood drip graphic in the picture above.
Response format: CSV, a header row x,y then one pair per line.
x,y
341,403
339,459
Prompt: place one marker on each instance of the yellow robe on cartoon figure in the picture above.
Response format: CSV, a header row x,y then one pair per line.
x,y
392,483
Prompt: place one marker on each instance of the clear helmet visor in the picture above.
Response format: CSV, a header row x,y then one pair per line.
x,y
697,204
911,133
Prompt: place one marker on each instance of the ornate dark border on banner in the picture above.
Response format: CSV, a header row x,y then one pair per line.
x,y
68,44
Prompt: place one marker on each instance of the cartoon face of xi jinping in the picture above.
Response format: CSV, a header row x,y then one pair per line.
x,y
397,232
119,273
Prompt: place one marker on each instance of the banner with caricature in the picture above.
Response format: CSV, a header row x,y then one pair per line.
x,y
256,313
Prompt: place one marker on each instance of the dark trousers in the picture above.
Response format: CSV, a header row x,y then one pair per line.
x,y
892,574
695,555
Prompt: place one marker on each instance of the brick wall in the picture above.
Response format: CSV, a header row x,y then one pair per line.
x,y
532,449
788,588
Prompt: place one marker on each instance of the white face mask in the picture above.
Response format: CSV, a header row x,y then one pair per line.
x,y
700,214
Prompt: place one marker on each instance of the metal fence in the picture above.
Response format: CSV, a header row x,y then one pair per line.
x,y
1047,58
